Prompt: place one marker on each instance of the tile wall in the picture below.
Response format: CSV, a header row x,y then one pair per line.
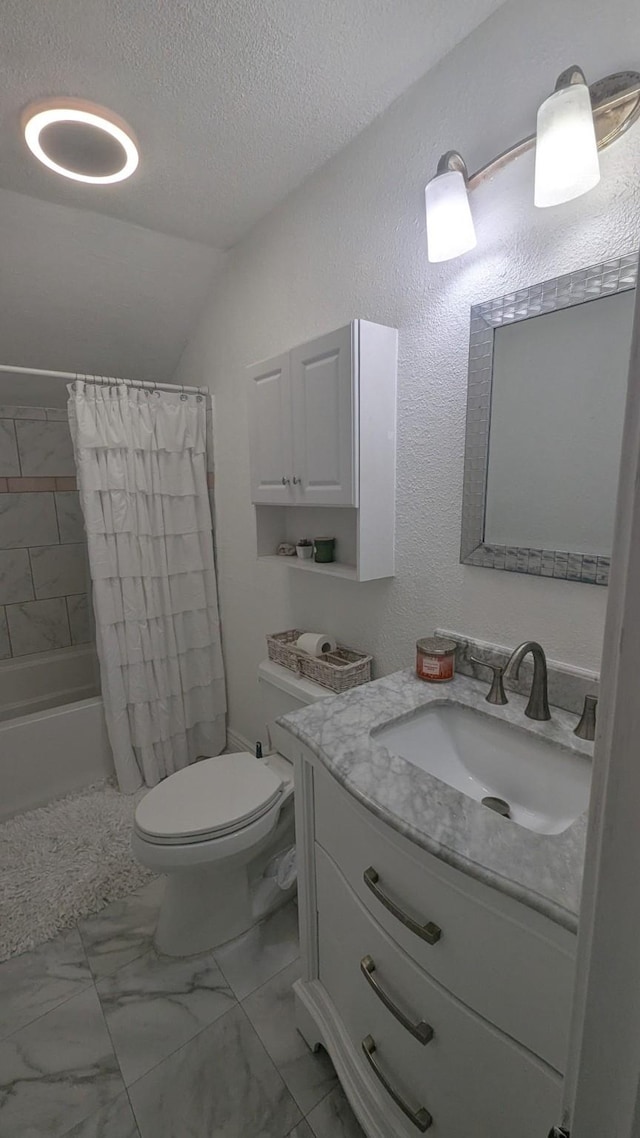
x,y
44,574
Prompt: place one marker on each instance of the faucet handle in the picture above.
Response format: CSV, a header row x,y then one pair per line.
x,y
496,693
586,728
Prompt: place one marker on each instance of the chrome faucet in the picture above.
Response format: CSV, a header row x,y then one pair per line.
x,y
538,705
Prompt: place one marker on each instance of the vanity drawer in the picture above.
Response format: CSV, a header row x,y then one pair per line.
x,y
470,1078
510,964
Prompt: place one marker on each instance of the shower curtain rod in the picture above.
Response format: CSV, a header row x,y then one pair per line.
x,y
72,375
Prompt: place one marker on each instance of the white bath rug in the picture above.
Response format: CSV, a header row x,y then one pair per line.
x,y
63,862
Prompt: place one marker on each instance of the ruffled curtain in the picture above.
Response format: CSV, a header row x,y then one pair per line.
x,y
141,459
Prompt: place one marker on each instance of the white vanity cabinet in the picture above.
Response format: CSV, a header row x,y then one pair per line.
x,y
322,425
443,1002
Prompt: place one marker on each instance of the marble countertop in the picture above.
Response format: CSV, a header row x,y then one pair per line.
x,y
543,871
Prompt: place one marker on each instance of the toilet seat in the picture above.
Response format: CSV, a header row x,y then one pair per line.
x,y
208,800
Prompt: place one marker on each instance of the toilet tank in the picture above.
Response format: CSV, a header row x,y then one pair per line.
x,y
282,691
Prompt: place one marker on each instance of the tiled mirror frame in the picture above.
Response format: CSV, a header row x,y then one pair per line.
x,y
604,279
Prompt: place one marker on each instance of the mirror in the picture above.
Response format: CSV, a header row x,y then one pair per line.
x,y
547,387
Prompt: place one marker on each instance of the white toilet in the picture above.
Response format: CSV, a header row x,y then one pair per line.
x,y
214,827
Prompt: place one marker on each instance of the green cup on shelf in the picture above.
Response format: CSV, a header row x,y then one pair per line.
x,y
325,548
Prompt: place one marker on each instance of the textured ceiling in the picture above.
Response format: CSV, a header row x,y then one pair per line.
x,y
234,102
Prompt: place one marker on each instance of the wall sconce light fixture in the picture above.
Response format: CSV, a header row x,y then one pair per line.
x,y
574,123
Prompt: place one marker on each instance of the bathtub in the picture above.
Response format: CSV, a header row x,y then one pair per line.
x,y
53,738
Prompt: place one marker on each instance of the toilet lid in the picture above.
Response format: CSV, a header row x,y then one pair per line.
x,y
212,796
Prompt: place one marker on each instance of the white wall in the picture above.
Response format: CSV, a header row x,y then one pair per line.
x,y
350,242
83,292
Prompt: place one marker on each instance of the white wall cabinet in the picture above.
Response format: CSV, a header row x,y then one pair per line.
x,y
324,404
455,1016
270,437
322,422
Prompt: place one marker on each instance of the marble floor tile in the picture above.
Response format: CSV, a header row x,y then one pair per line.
x,y
334,1118
123,931
263,951
113,1121
222,1083
57,1071
155,1004
308,1075
35,982
302,1130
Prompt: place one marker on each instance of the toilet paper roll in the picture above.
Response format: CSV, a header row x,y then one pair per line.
x,y
315,643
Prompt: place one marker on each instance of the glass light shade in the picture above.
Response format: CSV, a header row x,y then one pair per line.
x,y
450,230
567,163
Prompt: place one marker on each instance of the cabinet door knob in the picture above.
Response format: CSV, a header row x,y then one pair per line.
x,y
285,481
296,481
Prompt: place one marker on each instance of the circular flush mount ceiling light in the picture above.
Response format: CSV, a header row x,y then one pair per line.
x,y
80,140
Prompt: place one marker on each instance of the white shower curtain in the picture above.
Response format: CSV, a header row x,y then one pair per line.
x,y
142,476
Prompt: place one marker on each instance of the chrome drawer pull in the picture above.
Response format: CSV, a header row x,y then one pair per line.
x,y
429,932
420,1117
421,1031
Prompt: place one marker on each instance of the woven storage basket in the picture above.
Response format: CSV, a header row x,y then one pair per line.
x,y
339,671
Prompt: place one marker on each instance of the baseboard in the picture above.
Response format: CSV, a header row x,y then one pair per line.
x,y
237,742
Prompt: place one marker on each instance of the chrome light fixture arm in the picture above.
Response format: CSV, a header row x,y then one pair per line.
x,y
609,95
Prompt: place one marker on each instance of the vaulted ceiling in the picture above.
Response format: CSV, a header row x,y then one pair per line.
x,y
234,103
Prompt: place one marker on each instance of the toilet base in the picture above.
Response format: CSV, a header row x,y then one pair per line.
x,y
189,924
208,905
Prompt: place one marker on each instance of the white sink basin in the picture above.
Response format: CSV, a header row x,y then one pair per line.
x,y
545,786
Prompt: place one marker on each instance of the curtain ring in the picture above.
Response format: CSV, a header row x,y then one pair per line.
x,y
184,397
198,399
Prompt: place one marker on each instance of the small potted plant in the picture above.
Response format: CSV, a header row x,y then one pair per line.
x,y
304,549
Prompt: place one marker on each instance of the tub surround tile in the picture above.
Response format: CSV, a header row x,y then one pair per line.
x,y
543,871
56,413
220,1083
44,448
4,486
38,626
9,462
123,930
36,982
308,1075
27,519
58,570
66,484
334,1118
57,1071
80,619
30,485
264,950
70,519
156,1004
113,1121
15,576
5,646
11,412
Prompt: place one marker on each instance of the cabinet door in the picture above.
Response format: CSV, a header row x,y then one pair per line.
x,y
324,396
269,395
